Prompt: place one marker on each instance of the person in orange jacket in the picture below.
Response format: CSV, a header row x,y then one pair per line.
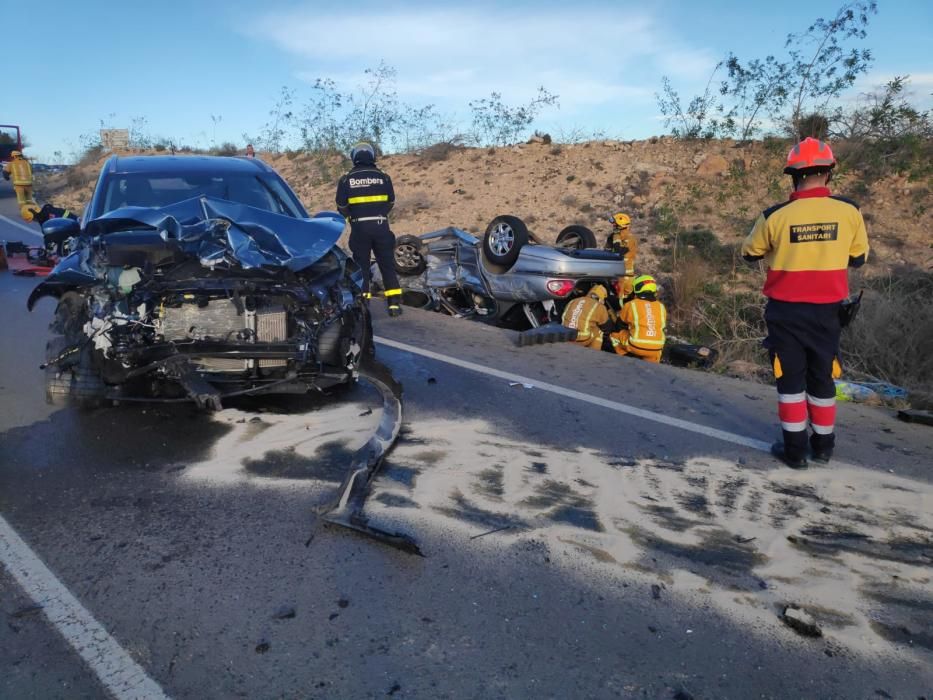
x,y
643,320
589,316
623,242
808,243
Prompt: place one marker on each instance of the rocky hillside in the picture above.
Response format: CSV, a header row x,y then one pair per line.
x,y
666,185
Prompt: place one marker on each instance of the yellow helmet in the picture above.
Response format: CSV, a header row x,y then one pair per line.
x,y
599,292
28,212
645,284
621,220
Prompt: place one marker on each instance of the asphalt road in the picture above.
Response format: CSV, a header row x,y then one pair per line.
x,y
574,547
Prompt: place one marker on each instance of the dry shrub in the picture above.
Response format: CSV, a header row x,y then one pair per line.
x,y
891,339
91,155
687,282
713,306
569,200
77,176
411,204
439,151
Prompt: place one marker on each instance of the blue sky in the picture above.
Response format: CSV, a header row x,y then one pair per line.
x,y
179,63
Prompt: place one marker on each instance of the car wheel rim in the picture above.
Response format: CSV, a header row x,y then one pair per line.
x,y
501,239
407,256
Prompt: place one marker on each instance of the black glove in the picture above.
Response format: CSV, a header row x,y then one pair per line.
x,y
848,310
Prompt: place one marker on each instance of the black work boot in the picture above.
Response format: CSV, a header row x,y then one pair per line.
x,y
777,450
821,447
822,457
395,309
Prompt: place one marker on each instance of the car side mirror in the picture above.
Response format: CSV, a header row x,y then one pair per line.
x,y
59,230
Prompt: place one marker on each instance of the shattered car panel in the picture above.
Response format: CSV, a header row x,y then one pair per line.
x,y
226,233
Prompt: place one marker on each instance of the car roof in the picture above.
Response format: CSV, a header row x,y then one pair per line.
x,y
184,164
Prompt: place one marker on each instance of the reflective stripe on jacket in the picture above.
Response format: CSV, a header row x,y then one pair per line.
x,y
646,323
625,239
365,193
21,172
585,315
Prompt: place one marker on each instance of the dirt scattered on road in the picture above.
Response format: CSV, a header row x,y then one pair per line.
x,y
708,527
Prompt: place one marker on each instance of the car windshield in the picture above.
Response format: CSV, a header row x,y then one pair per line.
x,y
155,190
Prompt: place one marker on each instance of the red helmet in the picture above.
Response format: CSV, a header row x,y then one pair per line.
x,y
809,154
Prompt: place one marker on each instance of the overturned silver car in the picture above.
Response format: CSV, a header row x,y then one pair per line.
x,y
506,277
201,300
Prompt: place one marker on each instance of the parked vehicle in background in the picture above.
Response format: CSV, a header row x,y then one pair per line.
x,y
10,140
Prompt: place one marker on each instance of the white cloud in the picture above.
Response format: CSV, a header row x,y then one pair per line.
x,y
918,82
465,53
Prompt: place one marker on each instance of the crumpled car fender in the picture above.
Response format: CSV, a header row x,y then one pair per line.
x,y
71,272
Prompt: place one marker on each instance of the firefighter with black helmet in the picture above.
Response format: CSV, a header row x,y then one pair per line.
x,y
808,243
365,196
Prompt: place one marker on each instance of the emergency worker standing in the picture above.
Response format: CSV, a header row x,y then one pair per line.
x,y
623,242
365,196
21,175
589,317
643,320
808,243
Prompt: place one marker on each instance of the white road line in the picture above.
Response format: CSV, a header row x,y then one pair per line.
x,y
19,225
112,665
723,435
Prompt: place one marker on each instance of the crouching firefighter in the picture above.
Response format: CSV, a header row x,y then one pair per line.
x,y
365,196
589,317
643,320
808,243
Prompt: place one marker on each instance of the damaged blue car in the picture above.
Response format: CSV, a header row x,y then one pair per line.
x,y
199,278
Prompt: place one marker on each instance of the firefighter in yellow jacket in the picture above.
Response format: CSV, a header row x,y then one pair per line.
x,y
589,316
808,243
623,242
21,175
643,321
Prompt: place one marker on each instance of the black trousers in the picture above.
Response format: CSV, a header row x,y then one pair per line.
x,y
368,238
803,342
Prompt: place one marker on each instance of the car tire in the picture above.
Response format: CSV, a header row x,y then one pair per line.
x,y
576,237
504,239
71,381
409,256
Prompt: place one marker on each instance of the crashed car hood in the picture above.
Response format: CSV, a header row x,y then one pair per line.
x,y
223,234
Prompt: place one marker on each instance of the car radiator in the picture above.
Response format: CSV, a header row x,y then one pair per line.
x,y
219,320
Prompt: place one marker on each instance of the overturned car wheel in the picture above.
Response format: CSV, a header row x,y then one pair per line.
x,y
577,238
504,239
409,260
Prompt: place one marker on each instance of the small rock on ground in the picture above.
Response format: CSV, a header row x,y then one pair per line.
x,y
801,622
